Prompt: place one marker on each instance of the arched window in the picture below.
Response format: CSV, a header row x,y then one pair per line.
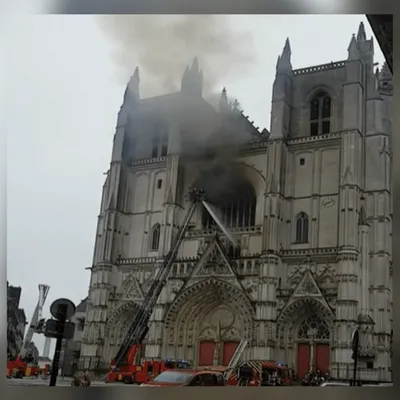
x,y
320,114
313,327
235,211
302,228
155,237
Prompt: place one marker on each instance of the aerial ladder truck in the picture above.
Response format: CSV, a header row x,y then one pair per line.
x,y
23,365
123,366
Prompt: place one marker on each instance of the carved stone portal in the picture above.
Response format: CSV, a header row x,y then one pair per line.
x,y
221,326
211,310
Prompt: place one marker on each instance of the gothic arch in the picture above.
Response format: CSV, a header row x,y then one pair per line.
x,y
321,124
155,237
241,169
120,316
291,317
255,177
187,312
309,94
302,227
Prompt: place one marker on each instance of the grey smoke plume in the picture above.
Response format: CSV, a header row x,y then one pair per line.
x,y
162,46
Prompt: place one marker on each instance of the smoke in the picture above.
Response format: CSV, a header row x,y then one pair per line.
x,y
162,46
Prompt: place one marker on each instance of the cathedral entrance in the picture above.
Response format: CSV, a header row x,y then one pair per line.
x,y
210,352
228,351
206,353
206,323
313,350
220,337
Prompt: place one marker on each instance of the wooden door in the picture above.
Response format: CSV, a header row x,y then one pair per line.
x,y
229,351
206,353
322,357
303,359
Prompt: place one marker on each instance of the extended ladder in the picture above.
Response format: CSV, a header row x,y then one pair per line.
x,y
139,325
235,358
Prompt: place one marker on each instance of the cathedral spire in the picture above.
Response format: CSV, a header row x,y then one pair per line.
x,y
353,48
192,79
284,61
223,102
195,65
286,49
132,88
361,36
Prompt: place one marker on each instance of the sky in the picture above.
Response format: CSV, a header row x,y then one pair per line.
x,y
64,88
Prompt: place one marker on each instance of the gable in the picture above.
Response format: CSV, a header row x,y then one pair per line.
x,y
213,262
131,290
306,288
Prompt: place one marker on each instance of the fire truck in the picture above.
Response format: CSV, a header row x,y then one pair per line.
x,y
259,373
25,363
125,366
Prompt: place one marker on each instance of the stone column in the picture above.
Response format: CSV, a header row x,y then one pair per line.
x,y
312,333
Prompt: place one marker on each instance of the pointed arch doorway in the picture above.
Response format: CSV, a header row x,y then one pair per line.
x,y
305,335
221,346
313,346
207,321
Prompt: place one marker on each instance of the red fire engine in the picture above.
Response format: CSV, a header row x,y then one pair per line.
x,y
134,372
259,373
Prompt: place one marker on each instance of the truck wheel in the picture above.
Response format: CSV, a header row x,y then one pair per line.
x,y
128,380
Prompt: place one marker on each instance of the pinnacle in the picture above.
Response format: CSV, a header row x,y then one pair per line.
x,y
361,32
195,64
286,49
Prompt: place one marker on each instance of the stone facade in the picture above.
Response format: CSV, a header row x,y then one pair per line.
x,y
309,203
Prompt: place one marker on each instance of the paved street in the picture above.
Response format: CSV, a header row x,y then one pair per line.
x,y
60,382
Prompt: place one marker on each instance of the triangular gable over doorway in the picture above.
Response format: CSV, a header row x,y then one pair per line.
x,y
213,262
131,290
307,288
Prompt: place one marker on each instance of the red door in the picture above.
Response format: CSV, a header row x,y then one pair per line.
x,y
206,353
229,351
303,359
322,357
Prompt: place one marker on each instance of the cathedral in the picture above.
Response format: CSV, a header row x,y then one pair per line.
x,y
308,204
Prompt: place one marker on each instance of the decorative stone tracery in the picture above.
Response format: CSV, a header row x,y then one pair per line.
x,y
120,319
313,323
193,315
305,312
